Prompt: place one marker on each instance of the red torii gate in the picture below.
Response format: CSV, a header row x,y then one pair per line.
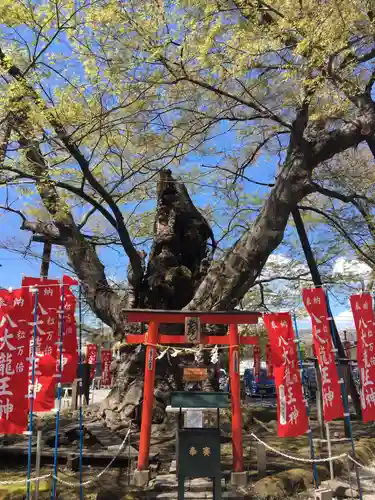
x,y
152,338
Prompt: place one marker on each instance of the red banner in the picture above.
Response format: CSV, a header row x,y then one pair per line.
x,y
363,314
292,414
256,355
92,356
106,365
46,338
69,281
70,354
315,302
15,319
269,363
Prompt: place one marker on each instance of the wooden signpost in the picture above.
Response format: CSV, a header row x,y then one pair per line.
x,y
192,330
195,374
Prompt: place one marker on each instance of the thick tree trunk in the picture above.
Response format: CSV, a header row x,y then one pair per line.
x,y
178,262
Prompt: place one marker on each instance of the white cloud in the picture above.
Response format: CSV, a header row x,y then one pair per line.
x,y
281,265
345,319
304,322
278,259
354,266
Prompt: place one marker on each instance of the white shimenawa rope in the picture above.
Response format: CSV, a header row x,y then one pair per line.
x,y
177,352
297,459
73,485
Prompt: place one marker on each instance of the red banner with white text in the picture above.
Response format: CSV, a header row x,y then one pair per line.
x,y
363,314
92,356
315,303
106,365
47,337
15,326
291,407
70,346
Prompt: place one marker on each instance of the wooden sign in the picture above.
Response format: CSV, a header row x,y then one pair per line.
x,y
195,374
192,329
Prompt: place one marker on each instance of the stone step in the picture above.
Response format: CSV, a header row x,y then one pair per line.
x,y
193,495
169,481
165,487
173,470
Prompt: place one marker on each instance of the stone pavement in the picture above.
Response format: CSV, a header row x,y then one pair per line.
x,y
344,489
367,478
368,485
164,487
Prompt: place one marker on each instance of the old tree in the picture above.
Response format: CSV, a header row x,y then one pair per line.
x,y
110,108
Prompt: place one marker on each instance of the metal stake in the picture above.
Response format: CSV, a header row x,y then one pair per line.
x,y
345,402
309,432
329,450
31,394
80,392
59,392
37,462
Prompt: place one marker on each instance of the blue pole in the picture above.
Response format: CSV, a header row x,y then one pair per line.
x,y
344,397
31,395
309,432
59,391
80,392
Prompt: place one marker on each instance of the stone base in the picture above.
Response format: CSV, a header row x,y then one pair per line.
x,y
239,479
141,477
323,494
173,467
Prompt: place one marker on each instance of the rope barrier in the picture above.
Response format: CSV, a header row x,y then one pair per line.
x,y
86,483
66,483
298,459
274,450
369,469
25,481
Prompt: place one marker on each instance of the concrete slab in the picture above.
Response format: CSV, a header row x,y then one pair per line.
x,y
170,481
141,477
173,467
193,495
323,494
239,479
